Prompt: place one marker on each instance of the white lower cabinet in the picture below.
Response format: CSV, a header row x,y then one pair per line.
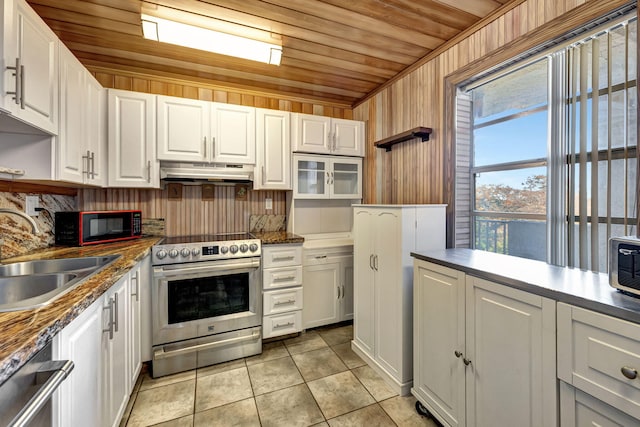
x,y
327,275
282,289
578,408
484,353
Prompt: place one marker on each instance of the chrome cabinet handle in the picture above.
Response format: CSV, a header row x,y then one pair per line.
x,y
205,148
16,74
88,169
457,354
290,301
335,141
137,291
213,146
327,177
283,278
338,292
115,303
264,176
110,308
628,372
321,256
93,165
282,258
371,261
283,325
22,86
466,361
149,171
331,178
375,262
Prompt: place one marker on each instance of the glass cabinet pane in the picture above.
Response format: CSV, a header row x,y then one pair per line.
x,y
345,177
311,177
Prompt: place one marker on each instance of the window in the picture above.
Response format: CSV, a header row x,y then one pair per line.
x,y
545,152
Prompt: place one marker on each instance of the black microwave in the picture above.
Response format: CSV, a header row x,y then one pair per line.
x,y
624,264
94,227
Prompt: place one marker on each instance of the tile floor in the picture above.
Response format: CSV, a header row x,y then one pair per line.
x,y
313,379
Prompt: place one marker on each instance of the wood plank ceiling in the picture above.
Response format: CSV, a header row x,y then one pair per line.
x,y
334,51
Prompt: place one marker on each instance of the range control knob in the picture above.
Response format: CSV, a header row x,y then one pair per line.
x,y
185,252
244,248
224,250
195,251
253,247
173,253
233,249
161,254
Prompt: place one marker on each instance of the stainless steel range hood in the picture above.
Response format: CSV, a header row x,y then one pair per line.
x,y
174,171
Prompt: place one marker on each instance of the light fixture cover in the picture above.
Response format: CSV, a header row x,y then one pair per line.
x,y
166,31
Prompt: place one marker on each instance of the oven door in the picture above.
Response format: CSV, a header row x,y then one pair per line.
x,y
204,298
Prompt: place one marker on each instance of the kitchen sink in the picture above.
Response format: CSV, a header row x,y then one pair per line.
x,y
31,284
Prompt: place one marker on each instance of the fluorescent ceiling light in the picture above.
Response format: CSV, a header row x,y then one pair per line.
x,y
166,31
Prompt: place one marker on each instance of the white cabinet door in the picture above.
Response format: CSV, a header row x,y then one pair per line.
x,y
73,163
439,341
345,178
233,128
114,353
364,280
145,309
183,129
578,409
510,346
311,133
31,47
320,290
132,140
78,399
134,324
96,130
346,271
348,137
273,150
311,177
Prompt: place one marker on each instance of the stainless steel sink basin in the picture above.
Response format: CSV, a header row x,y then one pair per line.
x,y
30,284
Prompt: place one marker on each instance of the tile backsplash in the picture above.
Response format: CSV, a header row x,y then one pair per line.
x,y
16,237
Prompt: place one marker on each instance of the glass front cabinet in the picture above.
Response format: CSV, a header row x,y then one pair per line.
x,y
327,177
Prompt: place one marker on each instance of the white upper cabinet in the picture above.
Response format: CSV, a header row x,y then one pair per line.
x,y
183,129
233,128
190,130
273,150
132,140
327,177
30,52
324,135
81,141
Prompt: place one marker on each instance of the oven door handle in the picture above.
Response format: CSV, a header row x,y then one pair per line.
x,y
198,267
166,351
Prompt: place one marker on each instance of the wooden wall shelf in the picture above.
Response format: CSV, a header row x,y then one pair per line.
x,y
419,132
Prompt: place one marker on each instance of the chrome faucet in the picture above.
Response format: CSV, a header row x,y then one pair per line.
x,y
34,226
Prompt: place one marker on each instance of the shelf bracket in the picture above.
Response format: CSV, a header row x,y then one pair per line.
x,y
419,132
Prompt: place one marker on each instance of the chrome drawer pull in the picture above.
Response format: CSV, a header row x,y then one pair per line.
x,y
628,372
283,326
291,301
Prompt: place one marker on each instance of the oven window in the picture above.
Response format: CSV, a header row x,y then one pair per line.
x,y
207,297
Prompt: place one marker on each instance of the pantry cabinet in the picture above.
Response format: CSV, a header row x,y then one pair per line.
x,y
132,140
273,150
325,135
384,236
327,177
327,275
484,353
29,87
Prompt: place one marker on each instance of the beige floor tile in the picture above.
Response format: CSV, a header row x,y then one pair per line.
x,y
318,363
237,414
148,382
348,356
178,422
270,351
161,404
374,383
339,394
222,388
274,375
370,416
293,406
403,412
305,342
334,336
322,424
220,367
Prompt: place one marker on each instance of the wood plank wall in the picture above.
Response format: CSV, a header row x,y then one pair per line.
x,y
192,215
419,172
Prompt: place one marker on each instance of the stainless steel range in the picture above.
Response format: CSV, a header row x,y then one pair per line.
x,y
206,301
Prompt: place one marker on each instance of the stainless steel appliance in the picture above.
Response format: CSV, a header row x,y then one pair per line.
x,y
93,227
25,396
206,301
624,264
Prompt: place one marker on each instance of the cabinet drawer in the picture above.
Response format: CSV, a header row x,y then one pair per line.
x,y
283,300
597,354
281,255
274,278
282,324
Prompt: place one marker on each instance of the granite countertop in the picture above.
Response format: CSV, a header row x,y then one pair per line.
x,y
570,285
277,237
23,333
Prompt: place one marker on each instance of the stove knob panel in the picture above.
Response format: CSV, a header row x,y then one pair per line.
x,y
185,252
233,249
195,251
244,248
224,250
161,254
173,253
253,247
